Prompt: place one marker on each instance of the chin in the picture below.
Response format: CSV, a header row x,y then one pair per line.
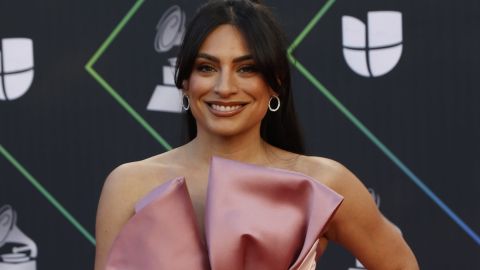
x,y
226,129
224,132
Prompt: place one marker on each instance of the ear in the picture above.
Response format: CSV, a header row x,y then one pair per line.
x,y
185,85
271,92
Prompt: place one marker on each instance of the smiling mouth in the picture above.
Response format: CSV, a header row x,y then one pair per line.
x,y
223,108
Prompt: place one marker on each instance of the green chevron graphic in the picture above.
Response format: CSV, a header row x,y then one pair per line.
x,y
89,67
107,87
357,123
46,194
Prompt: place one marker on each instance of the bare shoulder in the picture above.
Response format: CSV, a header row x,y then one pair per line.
x,y
134,179
357,224
326,171
340,179
329,172
131,180
123,187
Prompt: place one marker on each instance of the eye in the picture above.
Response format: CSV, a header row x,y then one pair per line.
x,y
205,68
248,69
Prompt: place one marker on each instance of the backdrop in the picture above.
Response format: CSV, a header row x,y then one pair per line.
x,y
387,87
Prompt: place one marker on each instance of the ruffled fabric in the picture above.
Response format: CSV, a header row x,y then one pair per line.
x,y
255,218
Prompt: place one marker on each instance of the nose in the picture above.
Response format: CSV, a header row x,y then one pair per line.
x,y
225,84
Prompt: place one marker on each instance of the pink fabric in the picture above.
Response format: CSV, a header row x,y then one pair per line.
x,y
255,218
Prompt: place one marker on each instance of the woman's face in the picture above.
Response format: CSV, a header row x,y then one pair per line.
x,y
228,96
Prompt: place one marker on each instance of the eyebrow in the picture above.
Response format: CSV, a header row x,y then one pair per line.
x,y
216,60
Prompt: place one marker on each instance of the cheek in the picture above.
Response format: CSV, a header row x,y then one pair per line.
x,y
259,90
198,86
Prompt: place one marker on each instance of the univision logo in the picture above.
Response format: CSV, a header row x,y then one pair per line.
x,y
375,49
16,67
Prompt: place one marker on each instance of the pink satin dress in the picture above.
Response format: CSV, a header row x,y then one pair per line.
x,y
255,218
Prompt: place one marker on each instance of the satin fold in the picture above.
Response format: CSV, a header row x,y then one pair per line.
x,y
162,234
255,218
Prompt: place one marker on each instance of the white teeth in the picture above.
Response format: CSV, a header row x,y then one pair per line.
x,y
225,108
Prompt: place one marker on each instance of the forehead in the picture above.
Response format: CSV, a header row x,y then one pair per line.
x,y
225,41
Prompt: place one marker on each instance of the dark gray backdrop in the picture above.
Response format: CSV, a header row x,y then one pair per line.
x,y
411,135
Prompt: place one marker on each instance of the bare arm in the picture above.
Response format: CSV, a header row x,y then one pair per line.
x,y
114,209
360,227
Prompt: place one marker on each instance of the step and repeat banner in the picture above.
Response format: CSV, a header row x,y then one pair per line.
x,y
389,88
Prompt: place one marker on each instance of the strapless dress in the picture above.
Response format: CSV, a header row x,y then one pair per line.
x,y
255,218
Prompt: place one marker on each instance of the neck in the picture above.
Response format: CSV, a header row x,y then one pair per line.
x,y
248,147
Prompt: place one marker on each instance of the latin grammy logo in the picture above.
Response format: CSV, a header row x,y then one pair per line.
x,y
170,31
23,249
166,97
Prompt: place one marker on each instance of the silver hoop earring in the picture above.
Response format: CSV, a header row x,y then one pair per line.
x,y
187,106
270,104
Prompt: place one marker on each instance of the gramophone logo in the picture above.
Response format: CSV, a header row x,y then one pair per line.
x,y
16,67
17,251
375,49
170,31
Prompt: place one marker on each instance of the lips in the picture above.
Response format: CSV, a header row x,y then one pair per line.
x,y
225,109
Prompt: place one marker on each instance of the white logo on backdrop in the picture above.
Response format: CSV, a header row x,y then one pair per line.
x,y
23,249
375,49
16,67
170,31
358,266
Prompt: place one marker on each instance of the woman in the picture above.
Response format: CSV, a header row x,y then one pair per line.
x,y
233,71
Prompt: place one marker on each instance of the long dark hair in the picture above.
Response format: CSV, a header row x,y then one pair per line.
x,y
267,44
